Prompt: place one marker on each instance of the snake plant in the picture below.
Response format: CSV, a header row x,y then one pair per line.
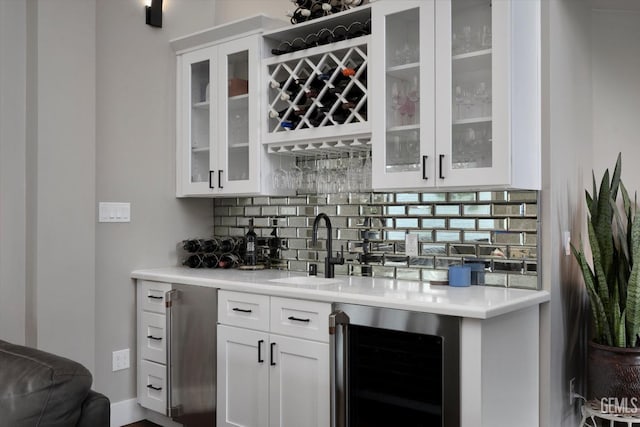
x,y
612,278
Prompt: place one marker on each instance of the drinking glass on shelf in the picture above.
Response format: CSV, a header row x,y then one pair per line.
x,y
294,177
366,174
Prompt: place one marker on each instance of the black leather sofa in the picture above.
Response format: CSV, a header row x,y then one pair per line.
x,y
40,389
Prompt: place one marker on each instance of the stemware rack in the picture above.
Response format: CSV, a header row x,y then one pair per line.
x,y
313,149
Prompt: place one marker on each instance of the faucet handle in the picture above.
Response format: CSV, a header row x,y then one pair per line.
x,y
341,256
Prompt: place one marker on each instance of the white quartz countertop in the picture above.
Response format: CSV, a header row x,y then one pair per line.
x,y
481,302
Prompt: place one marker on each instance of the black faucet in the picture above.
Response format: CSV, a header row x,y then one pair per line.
x,y
329,261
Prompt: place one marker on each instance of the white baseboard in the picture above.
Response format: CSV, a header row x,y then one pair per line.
x,y
128,411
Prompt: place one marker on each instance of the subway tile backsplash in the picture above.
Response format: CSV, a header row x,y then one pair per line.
x,y
499,228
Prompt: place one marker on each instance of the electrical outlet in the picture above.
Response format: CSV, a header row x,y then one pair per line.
x,y
572,390
120,360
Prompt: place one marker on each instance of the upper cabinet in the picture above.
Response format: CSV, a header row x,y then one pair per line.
x,y
218,128
457,94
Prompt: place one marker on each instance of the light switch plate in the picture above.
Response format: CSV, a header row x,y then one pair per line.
x,y
114,212
411,244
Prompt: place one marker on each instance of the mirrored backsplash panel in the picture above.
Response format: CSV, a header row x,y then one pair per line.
x,y
499,228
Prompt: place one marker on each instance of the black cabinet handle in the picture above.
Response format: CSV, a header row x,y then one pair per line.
x,y
220,179
154,388
272,362
441,157
211,179
154,338
153,297
260,359
241,310
297,319
424,167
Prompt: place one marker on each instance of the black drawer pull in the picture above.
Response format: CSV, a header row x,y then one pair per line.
x,y
211,179
272,362
153,297
241,310
297,319
260,359
424,167
154,338
440,171
154,388
220,179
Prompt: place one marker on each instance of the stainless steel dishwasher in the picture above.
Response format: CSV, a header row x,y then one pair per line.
x,y
191,354
393,368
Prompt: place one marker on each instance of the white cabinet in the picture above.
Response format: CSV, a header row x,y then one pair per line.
x,y
218,147
273,364
459,94
152,353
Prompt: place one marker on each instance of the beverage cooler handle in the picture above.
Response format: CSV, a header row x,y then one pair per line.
x,y
339,355
169,298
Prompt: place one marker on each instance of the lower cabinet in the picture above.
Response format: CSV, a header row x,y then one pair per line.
x,y
266,378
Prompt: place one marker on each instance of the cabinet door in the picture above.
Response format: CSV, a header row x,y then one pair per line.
x,y
472,82
243,377
299,383
196,89
403,69
238,152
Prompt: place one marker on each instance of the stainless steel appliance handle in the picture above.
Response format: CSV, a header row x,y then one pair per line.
x,y
339,359
169,298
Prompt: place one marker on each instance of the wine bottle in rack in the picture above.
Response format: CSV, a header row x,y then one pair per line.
x,y
227,244
210,261
229,260
209,245
193,261
191,245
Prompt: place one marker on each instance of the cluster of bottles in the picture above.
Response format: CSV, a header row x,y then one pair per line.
x,y
213,252
312,9
333,96
225,252
324,36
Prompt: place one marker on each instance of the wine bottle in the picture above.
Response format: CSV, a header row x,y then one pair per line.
x,y
191,245
250,255
193,261
210,261
209,245
227,244
228,260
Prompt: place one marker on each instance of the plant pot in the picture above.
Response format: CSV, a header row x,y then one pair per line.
x,y
613,373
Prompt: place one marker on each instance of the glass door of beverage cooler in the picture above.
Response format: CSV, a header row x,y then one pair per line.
x,y
471,125
196,124
237,148
403,125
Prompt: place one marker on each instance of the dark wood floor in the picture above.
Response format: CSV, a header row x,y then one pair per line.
x,y
144,423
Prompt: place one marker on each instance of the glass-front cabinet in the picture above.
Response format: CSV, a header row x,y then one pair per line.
x,y
218,110
403,123
218,140
461,84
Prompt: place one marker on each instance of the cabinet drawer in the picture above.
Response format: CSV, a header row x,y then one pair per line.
x,y
152,386
153,337
152,295
245,310
303,319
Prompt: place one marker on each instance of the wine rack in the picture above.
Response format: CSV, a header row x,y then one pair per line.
x,y
318,94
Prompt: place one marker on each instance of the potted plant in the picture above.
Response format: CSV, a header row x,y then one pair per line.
x,y
612,280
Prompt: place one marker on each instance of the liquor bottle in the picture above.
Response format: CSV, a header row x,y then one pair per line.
x,y
250,255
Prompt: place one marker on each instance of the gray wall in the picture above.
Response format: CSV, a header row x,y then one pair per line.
x,y
567,160
616,92
135,151
13,64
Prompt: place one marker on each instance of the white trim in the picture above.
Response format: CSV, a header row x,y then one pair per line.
x,y
126,412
